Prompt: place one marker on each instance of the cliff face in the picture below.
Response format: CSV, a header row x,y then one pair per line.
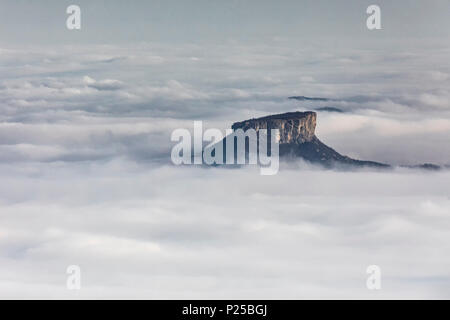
x,y
295,127
297,139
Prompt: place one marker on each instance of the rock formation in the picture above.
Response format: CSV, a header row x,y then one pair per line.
x,y
295,127
297,139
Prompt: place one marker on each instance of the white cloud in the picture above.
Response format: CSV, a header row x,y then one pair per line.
x,y
84,144
151,232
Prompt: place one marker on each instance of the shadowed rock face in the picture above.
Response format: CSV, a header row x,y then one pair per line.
x,y
297,138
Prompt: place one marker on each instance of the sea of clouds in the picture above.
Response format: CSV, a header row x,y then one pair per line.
x,y
86,177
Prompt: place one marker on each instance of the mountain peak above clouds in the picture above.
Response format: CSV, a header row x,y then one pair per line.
x,y
298,139
295,127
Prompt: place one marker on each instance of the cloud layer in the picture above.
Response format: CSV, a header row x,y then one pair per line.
x,y
186,232
101,101
86,177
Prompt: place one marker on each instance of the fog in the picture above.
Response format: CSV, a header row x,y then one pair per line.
x,y
188,232
86,177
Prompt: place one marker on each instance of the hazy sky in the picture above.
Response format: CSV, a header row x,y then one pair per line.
x,y
216,21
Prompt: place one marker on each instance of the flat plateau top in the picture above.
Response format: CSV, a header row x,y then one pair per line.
x,y
281,116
